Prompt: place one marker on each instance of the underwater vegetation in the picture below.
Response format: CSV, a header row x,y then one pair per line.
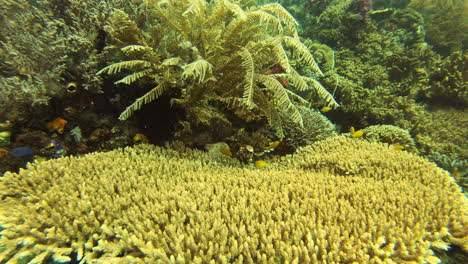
x,y
398,137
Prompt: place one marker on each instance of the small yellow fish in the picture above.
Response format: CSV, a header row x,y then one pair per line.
x,y
260,164
5,134
358,133
355,133
326,109
51,145
273,145
226,152
398,147
140,138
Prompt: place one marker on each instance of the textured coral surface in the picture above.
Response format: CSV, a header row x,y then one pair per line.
x,y
341,200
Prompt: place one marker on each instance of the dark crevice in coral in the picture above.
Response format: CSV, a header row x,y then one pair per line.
x,y
158,120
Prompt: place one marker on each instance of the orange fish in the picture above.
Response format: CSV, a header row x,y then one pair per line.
x,y
58,124
4,152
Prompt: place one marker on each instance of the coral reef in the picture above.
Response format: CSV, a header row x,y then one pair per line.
x,y
441,137
392,135
393,69
235,78
217,51
316,127
50,52
448,84
147,204
362,7
445,23
59,44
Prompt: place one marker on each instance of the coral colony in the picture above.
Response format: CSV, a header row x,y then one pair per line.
x,y
222,131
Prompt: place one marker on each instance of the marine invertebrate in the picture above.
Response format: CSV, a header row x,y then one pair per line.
x,y
398,137
447,83
316,127
362,7
218,51
441,137
76,134
445,23
57,45
147,204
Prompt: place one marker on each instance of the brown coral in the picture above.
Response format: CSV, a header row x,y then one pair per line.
x,y
341,201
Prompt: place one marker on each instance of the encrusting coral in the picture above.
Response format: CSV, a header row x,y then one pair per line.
x,y
325,204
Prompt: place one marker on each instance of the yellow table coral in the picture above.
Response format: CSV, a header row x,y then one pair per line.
x,y
340,201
